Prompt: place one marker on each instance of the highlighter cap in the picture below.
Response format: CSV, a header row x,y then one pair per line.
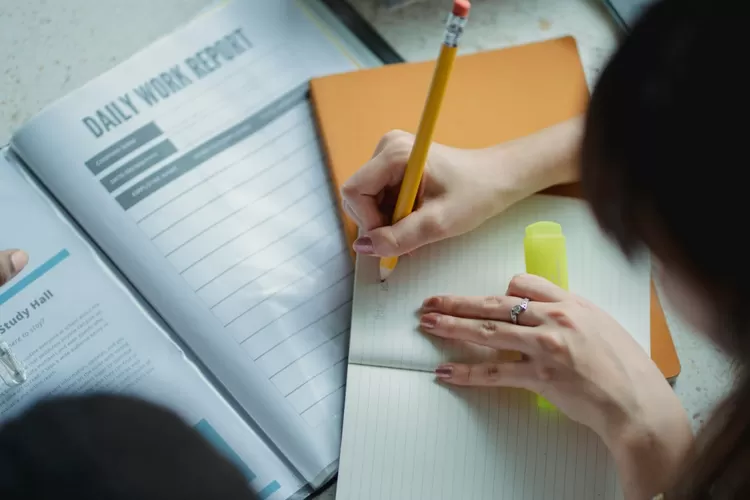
x,y
545,254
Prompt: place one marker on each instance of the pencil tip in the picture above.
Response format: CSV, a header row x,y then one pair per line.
x,y
384,273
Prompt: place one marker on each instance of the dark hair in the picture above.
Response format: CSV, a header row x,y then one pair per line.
x,y
663,167
111,448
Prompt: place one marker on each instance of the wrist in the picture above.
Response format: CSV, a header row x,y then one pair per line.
x,y
536,162
649,455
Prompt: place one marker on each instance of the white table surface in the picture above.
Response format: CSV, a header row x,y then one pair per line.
x,y
49,48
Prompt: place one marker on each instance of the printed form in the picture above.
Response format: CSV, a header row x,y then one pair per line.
x,y
77,330
252,228
209,149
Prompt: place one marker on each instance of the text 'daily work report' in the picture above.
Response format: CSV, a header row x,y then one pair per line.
x,y
233,191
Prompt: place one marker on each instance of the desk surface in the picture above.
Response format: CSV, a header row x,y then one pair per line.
x,y
50,48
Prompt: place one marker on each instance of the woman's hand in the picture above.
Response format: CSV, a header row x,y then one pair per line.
x,y
461,188
11,263
581,360
455,196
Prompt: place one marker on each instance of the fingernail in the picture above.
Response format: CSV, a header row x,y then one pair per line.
x,y
429,321
19,260
444,372
363,245
430,303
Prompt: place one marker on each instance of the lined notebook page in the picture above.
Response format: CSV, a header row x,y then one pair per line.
x,y
408,438
384,319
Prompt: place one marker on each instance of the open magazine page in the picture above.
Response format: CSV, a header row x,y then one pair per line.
x,y
195,166
76,329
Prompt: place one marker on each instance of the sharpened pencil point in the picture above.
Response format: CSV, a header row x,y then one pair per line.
x,y
384,273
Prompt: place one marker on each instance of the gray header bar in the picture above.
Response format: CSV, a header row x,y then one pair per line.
x,y
138,165
212,147
123,147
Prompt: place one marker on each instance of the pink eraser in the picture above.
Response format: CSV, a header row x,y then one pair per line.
x,y
461,8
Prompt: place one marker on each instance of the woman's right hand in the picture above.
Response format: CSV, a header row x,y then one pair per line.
x,y
461,188
455,196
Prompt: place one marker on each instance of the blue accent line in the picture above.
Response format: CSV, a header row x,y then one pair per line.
x,y
33,276
218,442
269,490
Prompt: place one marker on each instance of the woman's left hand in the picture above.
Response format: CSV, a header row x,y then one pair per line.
x,y
575,355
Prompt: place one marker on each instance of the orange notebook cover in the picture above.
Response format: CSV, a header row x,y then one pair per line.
x,y
492,97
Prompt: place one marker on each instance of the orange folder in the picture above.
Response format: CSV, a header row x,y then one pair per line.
x,y
492,97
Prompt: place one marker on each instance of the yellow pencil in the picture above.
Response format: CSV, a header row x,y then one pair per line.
x,y
415,165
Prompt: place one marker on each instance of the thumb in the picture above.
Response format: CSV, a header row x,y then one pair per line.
x,y
416,230
11,263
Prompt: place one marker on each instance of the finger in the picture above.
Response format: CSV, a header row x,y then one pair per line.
x,y
351,214
414,231
535,288
362,189
489,307
394,136
520,374
490,333
12,262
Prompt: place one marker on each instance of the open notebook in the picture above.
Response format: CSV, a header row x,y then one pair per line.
x,y
406,436
514,92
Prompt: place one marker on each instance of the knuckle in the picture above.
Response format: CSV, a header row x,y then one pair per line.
x,y
481,374
391,239
434,225
547,373
396,145
348,191
494,301
561,317
492,372
396,155
393,136
487,329
518,281
552,344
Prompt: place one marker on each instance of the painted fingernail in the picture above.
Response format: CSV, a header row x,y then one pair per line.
x,y
19,260
444,372
430,303
363,245
429,321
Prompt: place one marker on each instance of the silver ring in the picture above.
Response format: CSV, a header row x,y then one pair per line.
x,y
516,310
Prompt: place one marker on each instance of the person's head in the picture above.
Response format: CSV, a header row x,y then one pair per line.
x,y
663,168
114,448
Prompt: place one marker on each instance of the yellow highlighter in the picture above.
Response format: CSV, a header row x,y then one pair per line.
x,y
418,158
545,255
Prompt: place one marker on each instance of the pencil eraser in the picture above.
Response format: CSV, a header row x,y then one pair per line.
x,y
461,8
